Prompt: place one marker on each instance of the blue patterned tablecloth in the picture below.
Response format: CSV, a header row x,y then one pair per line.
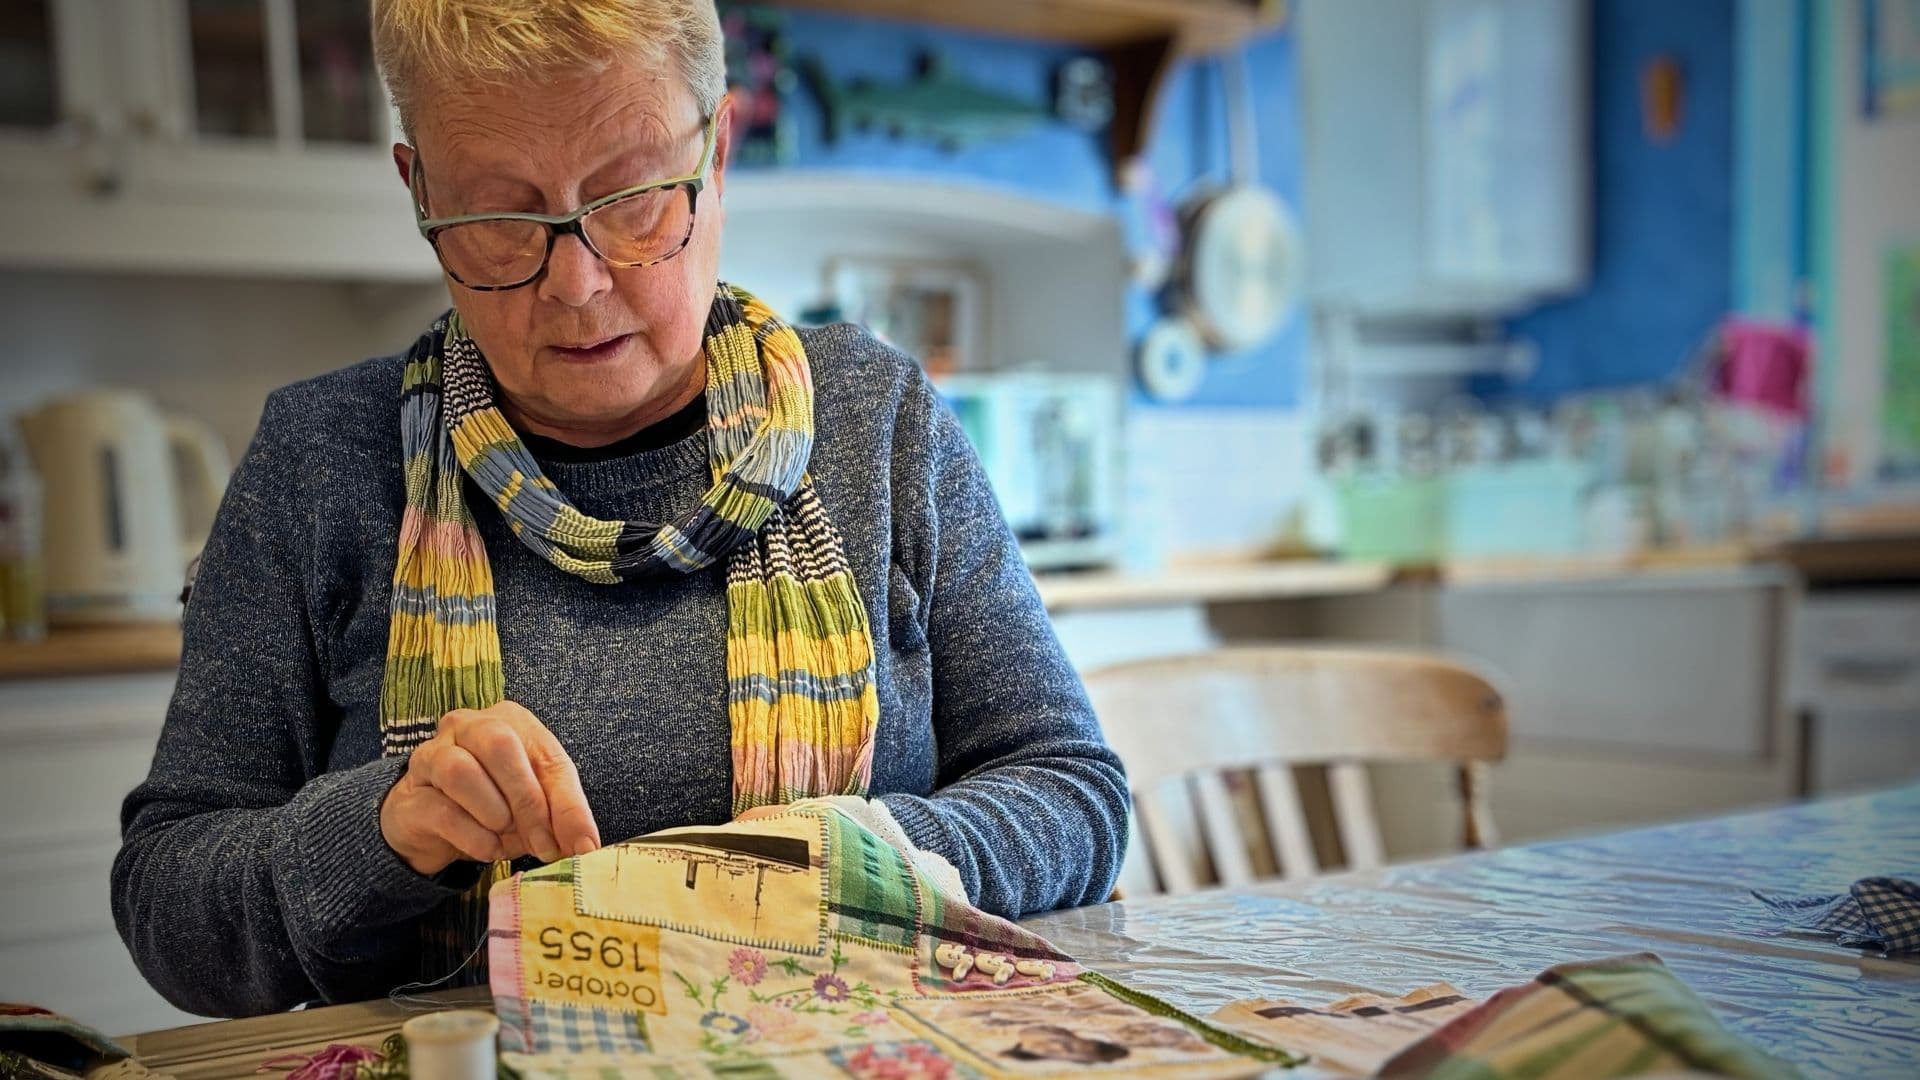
x,y
1484,921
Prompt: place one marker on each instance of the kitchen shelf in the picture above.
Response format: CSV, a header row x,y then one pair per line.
x,y
1091,590
1139,39
1094,23
93,651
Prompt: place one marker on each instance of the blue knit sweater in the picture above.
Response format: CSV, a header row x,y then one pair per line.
x,y
253,874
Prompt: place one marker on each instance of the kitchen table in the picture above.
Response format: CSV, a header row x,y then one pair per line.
x,y
1480,921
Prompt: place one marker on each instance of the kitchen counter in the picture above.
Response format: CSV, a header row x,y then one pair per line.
x,y
1733,563
1222,582
105,650
1855,560
1228,582
1836,560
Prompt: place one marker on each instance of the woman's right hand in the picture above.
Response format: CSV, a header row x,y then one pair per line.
x,y
491,784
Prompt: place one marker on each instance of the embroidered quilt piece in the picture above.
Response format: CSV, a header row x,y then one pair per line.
x,y
1356,1034
803,945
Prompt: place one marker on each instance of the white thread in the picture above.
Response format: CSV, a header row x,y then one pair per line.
x,y
399,995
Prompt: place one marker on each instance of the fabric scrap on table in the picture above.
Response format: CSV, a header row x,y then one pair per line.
x,y
804,944
1879,913
1356,1034
1620,1016
38,1044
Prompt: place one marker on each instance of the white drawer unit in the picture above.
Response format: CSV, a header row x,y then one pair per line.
x,y
1856,680
70,750
1668,666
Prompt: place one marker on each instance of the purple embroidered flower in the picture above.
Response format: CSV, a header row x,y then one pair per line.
x,y
724,1023
748,965
829,988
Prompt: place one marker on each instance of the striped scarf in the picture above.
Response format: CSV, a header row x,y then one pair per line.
x,y
800,696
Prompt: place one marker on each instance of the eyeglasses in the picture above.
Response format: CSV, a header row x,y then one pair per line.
x,y
636,226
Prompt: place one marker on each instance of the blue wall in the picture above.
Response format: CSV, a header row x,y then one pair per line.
x,y
1663,222
1663,214
1060,164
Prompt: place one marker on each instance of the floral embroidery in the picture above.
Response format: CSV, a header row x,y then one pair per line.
x,y
748,965
830,988
710,998
900,1061
767,1018
724,1023
727,985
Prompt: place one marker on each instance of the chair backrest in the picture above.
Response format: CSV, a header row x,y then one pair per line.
x,y
1180,723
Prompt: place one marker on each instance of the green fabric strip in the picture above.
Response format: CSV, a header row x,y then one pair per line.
x,y
1225,1040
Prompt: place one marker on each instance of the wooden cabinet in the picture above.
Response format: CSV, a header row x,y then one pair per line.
x,y
231,136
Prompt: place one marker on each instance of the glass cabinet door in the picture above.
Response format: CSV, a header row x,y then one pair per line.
x,y
341,99
232,87
29,81
290,71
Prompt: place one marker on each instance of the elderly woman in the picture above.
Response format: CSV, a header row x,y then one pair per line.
x,y
609,549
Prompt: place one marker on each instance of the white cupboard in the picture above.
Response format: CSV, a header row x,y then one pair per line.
x,y
74,747
199,136
1446,154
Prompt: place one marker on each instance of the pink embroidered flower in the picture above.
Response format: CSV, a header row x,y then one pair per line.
x,y
768,1018
910,1061
791,1036
867,1063
870,1018
830,988
748,965
927,1062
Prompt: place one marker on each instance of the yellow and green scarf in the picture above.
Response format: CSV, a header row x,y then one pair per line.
x,y
800,694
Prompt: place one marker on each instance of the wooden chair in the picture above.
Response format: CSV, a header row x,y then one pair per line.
x,y
1181,723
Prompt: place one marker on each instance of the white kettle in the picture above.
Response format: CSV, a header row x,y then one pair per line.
x,y
130,497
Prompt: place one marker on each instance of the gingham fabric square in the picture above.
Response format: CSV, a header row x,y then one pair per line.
x,y
1879,913
575,1030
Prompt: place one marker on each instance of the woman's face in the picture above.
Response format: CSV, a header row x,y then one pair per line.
x,y
587,352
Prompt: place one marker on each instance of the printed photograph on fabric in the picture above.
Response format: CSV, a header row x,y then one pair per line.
x,y
1075,1026
759,887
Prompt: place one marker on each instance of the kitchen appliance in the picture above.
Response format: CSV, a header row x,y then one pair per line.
x,y
23,598
130,494
1050,445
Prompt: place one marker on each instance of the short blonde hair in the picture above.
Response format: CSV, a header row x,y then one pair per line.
x,y
418,42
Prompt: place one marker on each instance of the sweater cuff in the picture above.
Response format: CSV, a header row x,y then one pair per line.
x,y
922,822
346,879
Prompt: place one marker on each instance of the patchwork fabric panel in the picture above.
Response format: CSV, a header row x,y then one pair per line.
x,y
802,944
1617,1016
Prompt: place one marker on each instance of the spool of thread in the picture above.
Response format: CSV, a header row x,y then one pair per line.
x,y
453,1045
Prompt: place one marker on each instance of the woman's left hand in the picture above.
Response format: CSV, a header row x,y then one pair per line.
x,y
760,812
